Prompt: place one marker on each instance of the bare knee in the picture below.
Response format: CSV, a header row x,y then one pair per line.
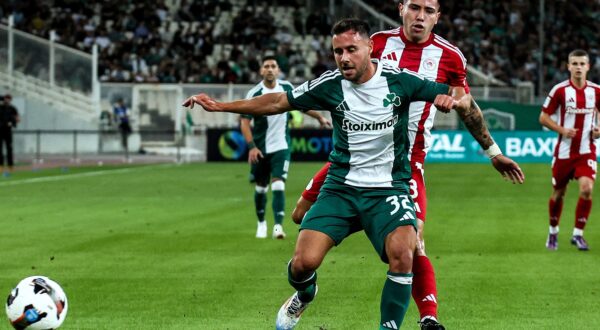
x,y
400,247
311,249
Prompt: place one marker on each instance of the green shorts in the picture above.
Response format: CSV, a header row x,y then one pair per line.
x,y
274,165
341,210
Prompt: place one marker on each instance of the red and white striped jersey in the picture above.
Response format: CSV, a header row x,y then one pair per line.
x,y
574,108
437,60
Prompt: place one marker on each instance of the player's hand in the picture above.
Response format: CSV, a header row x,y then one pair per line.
x,y
509,169
208,103
254,155
324,122
569,132
444,103
595,133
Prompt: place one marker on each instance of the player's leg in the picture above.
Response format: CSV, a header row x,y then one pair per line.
x,y
1,149
585,172
280,162
424,287
326,224
260,177
9,150
388,218
561,174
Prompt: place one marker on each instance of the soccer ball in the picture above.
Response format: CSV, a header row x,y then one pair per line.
x,y
37,302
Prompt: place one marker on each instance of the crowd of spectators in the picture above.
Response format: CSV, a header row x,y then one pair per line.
x,y
500,38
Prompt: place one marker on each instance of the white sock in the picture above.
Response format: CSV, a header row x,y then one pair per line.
x,y
553,230
577,232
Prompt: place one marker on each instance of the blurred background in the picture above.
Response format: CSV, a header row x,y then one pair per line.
x,y
66,63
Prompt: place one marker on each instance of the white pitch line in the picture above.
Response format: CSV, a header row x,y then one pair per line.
x,y
80,175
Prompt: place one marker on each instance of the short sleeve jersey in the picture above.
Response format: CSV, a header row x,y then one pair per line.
x,y
435,59
370,133
575,108
270,133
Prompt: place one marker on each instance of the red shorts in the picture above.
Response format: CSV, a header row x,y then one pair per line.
x,y
564,170
417,188
418,191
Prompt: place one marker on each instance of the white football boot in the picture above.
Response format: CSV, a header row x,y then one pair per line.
x,y
290,312
278,232
261,229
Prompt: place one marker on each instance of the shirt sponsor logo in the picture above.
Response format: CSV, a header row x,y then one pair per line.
x,y
573,110
349,126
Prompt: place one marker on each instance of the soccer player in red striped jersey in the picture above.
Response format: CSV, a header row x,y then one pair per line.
x,y
575,103
413,46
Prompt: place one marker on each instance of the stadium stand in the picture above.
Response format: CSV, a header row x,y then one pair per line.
x,y
200,41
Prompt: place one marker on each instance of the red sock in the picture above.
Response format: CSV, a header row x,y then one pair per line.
x,y
555,209
582,212
424,290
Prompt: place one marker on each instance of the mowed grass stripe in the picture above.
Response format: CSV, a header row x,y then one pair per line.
x,y
174,248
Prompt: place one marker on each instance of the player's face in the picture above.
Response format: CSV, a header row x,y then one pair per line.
x,y
352,53
579,67
269,70
418,18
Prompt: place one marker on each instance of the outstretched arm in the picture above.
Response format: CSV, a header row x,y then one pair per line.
x,y
266,104
471,115
322,120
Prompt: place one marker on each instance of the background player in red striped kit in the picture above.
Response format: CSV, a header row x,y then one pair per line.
x,y
574,102
413,46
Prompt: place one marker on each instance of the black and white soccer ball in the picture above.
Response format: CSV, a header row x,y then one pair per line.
x,y
37,302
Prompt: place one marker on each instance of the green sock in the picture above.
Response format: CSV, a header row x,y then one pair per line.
x,y
307,288
279,205
395,299
260,202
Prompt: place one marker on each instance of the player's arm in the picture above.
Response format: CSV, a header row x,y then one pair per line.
x,y
302,206
322,120
472,116
254,154
266,104
547,121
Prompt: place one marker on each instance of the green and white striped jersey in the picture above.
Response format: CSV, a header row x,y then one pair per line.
x,y
270,133
370,133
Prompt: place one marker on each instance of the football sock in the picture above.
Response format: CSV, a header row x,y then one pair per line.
x,y
278,188
424,289
555,209
260,202
577,232
582,212
307,287
395,299
553,230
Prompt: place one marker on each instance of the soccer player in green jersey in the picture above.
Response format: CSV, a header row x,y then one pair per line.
x,y
268,145
367,184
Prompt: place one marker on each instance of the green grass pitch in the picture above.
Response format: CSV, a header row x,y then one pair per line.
x,y
173,247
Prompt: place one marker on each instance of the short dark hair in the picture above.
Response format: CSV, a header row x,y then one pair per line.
x,y
578,52
351,24
269,58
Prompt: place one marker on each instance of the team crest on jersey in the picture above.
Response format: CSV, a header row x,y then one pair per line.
x,y
392,98
429,64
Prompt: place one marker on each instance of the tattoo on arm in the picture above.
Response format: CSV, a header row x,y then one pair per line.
x,y
473,120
